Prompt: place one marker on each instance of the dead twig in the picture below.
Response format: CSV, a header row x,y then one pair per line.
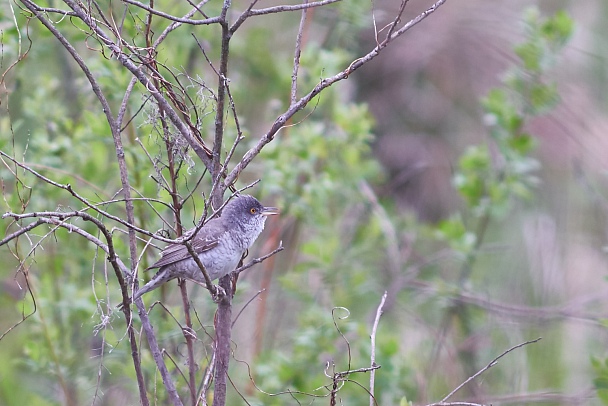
x,y
372,374
443,401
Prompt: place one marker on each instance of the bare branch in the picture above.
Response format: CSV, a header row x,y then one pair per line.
x,y
223,322
372,375
213,289
482,370
296,58
396,20
60,221
259,292
195,143
174,25
241,19
54,10
260,259
546,313
280,122
280,9
206,21
157,354
120,269
94,207
24,317
21,231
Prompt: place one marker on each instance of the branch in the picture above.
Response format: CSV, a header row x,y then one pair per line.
x,y
544,314
223,321
195,143
372,375
176,24
54,10
157,354
260,259
47,218
222,74
396,20
245,306
241,19
280,122
280,9
94,207
119,269
481,371
206,21
213,289
296,58
21,231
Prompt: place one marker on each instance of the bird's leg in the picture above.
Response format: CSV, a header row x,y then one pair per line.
x,y
218,293
189,332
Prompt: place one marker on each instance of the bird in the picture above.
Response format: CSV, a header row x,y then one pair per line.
x,y
219,244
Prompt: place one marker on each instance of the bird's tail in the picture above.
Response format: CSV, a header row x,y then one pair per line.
x,y
162,276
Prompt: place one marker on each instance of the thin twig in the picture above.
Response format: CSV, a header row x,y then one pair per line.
x,y
260,259
482,370
186,131
208,283
245,306
241,19
183,20
296,58
296,7
86,202
372,374
24,317
280,121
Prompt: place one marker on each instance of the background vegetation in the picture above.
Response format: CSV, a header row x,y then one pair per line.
x,y
463,172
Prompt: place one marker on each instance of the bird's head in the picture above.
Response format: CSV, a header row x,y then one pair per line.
x,y
246,211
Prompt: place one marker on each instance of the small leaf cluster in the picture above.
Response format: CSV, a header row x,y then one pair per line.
x,y
493,176
600,382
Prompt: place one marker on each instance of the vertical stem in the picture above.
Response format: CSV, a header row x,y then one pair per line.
x,y
296,58
224,310
372,373
177,206
221,100
192,366
223,323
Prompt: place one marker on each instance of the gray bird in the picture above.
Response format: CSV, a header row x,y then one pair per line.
x,y
220,244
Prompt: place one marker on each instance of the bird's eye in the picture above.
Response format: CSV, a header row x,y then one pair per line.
x,y
253,210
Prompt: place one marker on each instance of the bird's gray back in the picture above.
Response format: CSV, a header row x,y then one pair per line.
x,y
206,239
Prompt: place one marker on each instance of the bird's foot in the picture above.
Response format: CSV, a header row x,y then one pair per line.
x,y
189,333
218,293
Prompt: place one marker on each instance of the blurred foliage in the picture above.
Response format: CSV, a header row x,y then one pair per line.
x,y
493,183
601,379
337,261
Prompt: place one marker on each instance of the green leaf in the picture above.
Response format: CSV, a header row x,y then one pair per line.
x,y
522,143
603,395
543,97
531,55
601,382
559,28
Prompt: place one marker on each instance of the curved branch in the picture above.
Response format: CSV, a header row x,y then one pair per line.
x,y
196,144
276,9
189,21
280,122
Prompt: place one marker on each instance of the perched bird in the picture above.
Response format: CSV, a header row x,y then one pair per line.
x,y
219,244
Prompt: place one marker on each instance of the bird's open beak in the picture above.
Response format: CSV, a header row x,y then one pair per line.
x,y
269,211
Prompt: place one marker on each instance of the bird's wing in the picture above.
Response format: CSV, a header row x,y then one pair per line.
x,y
207,238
